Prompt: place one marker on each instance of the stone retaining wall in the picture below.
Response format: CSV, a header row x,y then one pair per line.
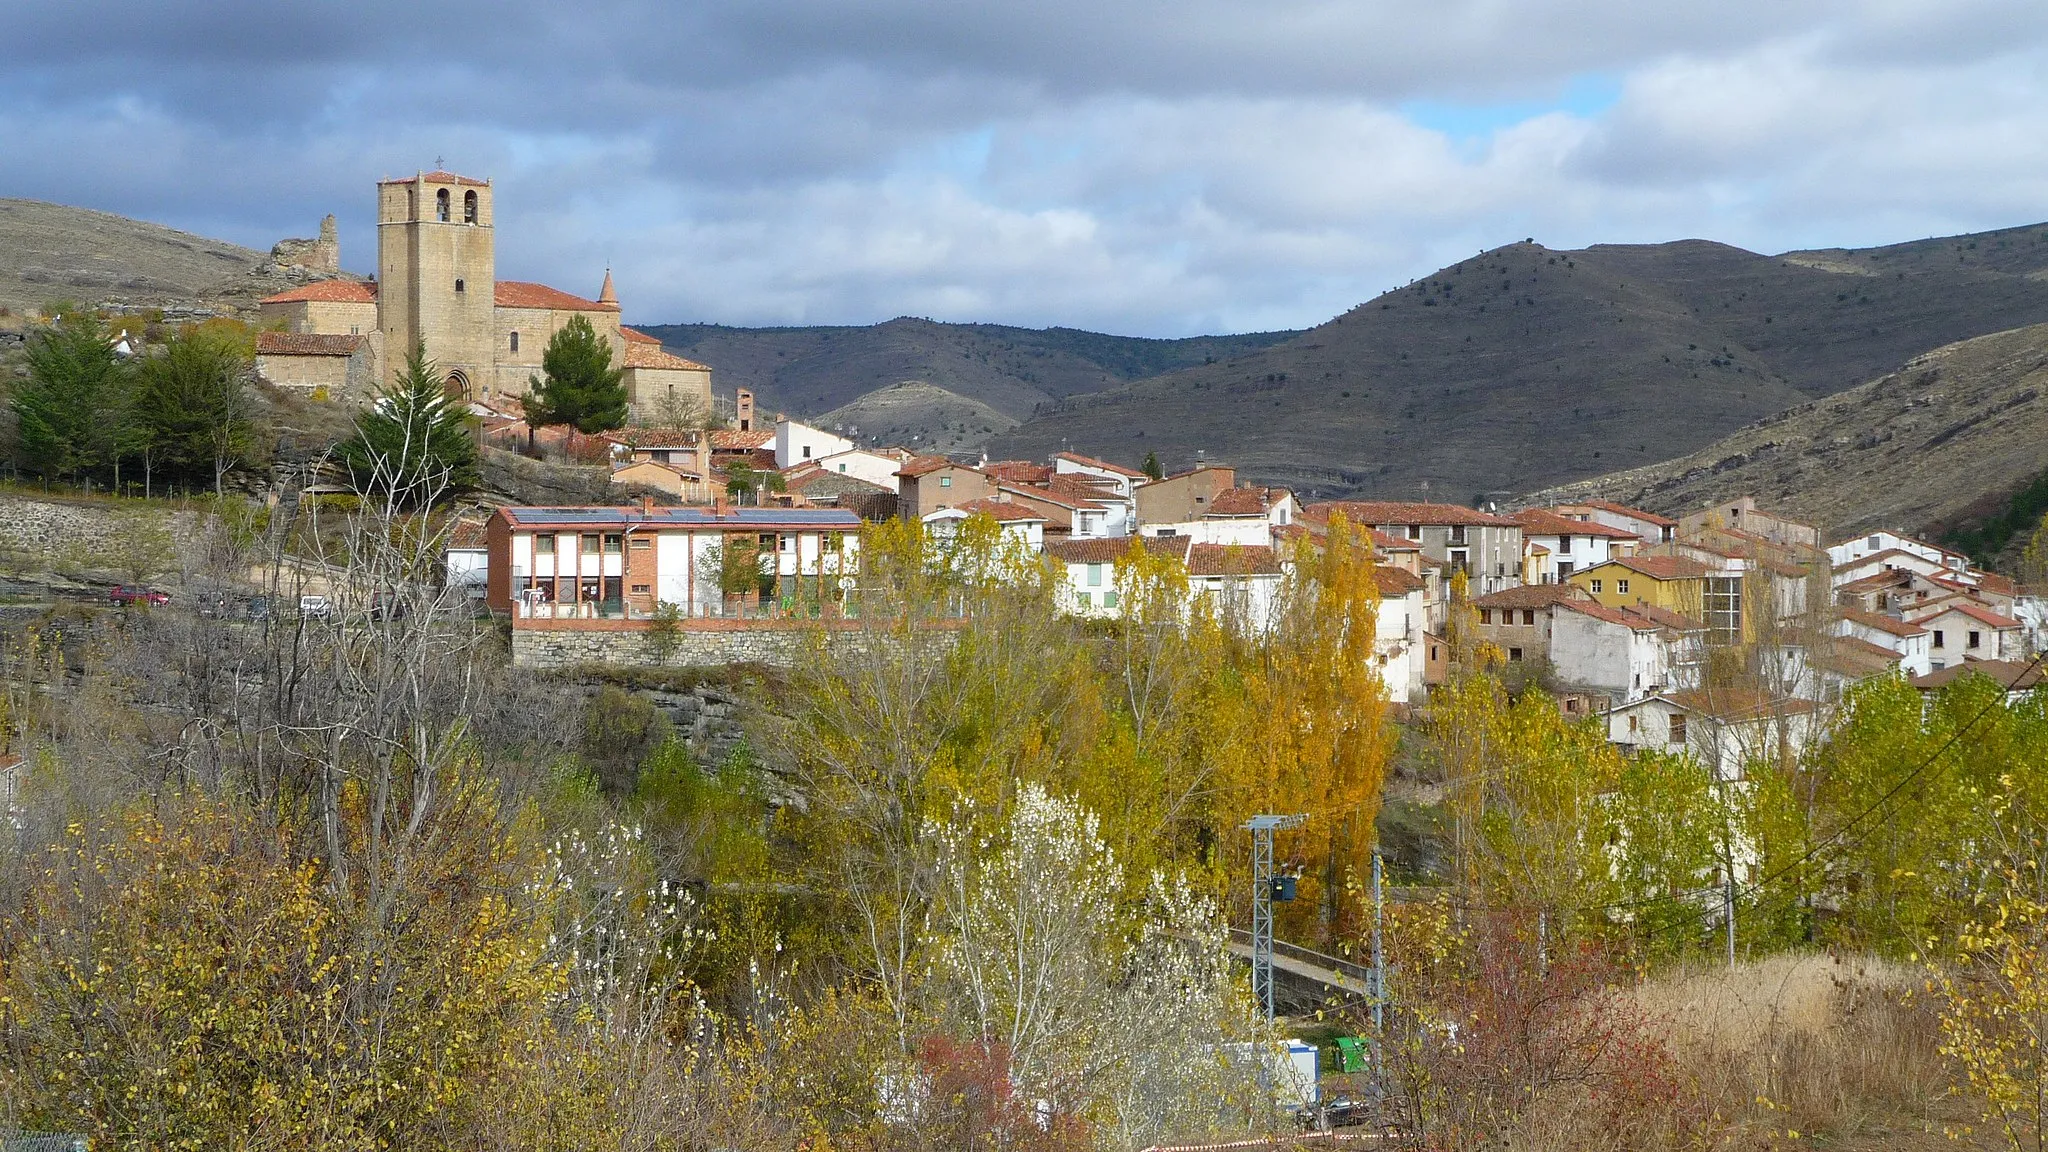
x,y
634,645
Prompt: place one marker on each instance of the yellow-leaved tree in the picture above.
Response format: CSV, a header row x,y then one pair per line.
x,y
1299,723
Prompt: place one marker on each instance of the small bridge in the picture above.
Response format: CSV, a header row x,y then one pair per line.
x,y
1309,977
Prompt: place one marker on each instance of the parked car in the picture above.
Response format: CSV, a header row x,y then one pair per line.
x,y
314,606
127,594
259,608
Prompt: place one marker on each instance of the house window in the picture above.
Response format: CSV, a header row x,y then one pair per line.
x,y
1486,615
1198,499
1597,587
458,283
1095,575
945,481
1937,665
1109,599
834,541
1564,543
1678,728
1086,600
590,544
1564,568
1621,586
642,543
469,207
441,205
640,589
1457,533
1529,617
544,545
807,451
1415,531
842,465
1633,723
765,541
515,341
613,541
1976,637
1870,542
1462,560
1514,655
1939,638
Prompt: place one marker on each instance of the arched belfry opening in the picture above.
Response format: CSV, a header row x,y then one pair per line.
x,y
469,207
441,205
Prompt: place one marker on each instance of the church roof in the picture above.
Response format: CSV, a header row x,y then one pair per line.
x,y
307,344
636,336
523,294
640,355
328,292
439,176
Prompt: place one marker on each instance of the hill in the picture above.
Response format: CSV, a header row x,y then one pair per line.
x,y
1918,449
808,372
51,251
1526,367
919,416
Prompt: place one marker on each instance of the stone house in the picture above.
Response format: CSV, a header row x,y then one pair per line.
x,y
330,367
1183,496
1488,548
926,484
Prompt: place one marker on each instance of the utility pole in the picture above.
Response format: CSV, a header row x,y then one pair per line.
x,y
1261,828
1379,947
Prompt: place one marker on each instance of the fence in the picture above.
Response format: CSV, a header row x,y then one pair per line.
x,y
15,1140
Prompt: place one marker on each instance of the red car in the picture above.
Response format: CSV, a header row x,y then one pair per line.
x,y
126,594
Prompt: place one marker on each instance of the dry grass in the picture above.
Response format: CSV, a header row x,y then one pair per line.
x,y
1793,1051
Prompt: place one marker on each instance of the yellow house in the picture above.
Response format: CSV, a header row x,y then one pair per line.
x,y
1670,582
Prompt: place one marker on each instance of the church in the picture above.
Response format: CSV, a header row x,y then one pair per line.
x,y
437,281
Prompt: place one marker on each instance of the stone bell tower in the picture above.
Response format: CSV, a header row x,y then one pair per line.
x,y
436,275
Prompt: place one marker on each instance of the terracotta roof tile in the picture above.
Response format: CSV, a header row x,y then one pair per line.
x,y
1106,466
1017,471
1656,567
328,292
636,336
467,535
1109,549
1625,510
925,465
1244,501
655,356
1008,511
1883,623
1979,613
633,437
2013,675
1232,560
524,294
1599,611
734,440
439,176
306,344
1396,581
1544,522
1387,542
1530,596
1377,512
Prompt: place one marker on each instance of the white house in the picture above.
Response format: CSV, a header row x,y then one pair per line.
x,y
1089,570
1726,729
1912,643
1400,644
1960,629
796,443
1825,670
1245,516
1570,544
1239,582
468,559
874,465
1123,481
1648,527
1882,541
1019,521
1627,653
2019,678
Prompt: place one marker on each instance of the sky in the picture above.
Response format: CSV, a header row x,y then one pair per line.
x,y
1143,167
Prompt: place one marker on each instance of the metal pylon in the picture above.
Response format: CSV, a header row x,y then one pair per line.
x,y
1261,828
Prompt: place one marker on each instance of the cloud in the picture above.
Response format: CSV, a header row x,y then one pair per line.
x,y
1145,166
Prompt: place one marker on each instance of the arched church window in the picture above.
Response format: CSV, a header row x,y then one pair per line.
x,y
515,341
469,207
441,205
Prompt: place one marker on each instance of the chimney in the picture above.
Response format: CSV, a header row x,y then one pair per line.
x,y
743,409
646,505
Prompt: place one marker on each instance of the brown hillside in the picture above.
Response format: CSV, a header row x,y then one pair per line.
x,y
811,371
1525,367
53,252
1909,450
919,416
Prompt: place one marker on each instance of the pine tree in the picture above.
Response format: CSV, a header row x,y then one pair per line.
x,y
75,381
1152,468
412,444
191,406
578,384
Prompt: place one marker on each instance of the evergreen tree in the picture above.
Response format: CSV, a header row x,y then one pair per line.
x,y
191,406
578,384
65,406
412,444
1151,466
